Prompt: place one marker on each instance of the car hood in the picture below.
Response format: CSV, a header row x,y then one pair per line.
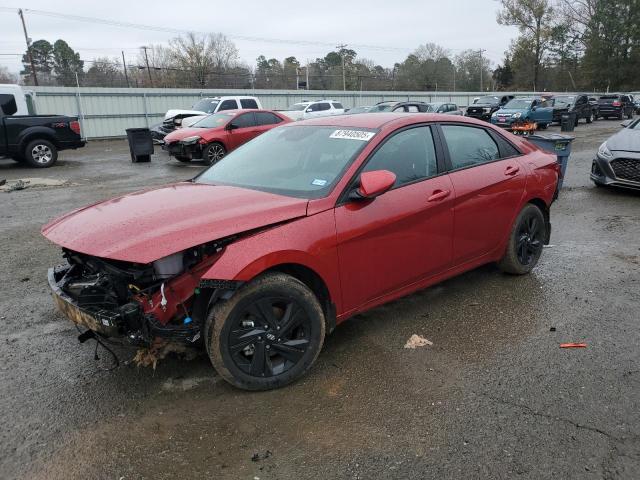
x,y
626,140
172,113
180,133
145,226
510,111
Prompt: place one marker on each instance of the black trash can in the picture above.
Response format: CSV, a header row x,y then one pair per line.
x,y
558,144
140,144
568,122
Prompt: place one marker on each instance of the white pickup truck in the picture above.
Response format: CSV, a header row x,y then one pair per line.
x,y
318,108
207,106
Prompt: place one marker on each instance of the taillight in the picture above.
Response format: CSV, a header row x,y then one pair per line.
x,y
616,104
75,126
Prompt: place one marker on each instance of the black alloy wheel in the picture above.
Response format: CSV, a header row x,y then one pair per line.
x,y
269,337
526,241
267,334
529,240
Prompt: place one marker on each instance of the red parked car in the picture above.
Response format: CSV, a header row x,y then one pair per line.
x,y
265,252
216,135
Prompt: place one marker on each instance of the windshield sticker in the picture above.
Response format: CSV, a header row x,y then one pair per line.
x,y
353,135
319,182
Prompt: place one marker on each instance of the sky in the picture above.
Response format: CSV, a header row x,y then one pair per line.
x,y
382,30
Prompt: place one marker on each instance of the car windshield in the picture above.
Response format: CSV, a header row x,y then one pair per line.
x,y
215,120
518,103
383,107
298,106
564,100
206,105
298,161
432,107
488,100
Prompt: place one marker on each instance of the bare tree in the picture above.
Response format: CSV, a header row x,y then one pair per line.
x,y
203,55
533,18
6,76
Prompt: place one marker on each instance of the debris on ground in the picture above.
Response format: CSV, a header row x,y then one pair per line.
x,y
417,341
552,329
24,183
573,345
149,356
257,456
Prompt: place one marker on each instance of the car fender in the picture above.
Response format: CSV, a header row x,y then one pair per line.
x,y
308,241
28,134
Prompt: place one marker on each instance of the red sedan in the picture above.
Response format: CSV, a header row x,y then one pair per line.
x,y
265,252
214,136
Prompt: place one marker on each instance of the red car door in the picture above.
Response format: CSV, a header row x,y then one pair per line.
x,y
240,130
488,182
403,235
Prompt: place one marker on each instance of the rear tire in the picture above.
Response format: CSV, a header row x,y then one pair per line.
x,y
267,335
40,154
590,118
525,242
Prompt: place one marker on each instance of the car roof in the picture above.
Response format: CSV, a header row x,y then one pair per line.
x,y
379,120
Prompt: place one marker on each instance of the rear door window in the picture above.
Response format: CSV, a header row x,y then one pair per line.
x,y
469,146
8,104
248,103
228,105
266,118
324,106
337,105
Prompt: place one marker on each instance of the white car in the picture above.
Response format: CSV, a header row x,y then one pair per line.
x,y
319,108
215,104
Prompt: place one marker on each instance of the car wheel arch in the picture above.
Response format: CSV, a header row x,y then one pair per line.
x,y
38,135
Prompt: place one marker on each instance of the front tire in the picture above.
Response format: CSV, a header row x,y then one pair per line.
x,y
590,118
525,242
267,335
40,154
213,153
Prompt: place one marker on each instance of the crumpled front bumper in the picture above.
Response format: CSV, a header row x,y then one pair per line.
x,y
179,149
99,322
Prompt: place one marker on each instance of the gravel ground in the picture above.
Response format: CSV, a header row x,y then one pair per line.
x,y
494,397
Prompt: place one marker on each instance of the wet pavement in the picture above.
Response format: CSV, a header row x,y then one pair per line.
x,y
494,397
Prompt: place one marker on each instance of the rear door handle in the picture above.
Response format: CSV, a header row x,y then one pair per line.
x,y
439,195
511,170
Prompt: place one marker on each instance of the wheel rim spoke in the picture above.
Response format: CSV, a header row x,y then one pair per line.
x,y
290,319
292,350
259,364
240,339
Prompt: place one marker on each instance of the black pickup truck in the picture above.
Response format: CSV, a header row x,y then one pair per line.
x,y
484,107
36,139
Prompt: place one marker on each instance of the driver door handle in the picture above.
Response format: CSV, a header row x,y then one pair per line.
x,y
511,170
438,195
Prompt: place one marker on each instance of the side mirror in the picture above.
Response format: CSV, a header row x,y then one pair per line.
x,y
534,108
373,184
231,126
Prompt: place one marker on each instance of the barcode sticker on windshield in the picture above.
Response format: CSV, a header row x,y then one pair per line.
x,y
353,135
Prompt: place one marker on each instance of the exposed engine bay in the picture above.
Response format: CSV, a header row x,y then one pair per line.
x,y
138,303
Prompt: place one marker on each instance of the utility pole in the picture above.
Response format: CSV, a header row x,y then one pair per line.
x,y
124,64
344,80
307,69
28,40
481,68
146,59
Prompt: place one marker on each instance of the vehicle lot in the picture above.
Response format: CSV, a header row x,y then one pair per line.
x,y
494,397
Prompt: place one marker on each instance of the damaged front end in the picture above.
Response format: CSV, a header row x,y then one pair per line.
x,y
137,304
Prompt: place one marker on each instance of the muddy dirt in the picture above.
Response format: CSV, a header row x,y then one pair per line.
x,y
493,397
